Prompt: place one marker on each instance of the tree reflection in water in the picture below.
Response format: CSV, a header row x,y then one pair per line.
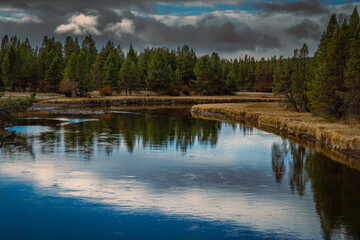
x,y
335,187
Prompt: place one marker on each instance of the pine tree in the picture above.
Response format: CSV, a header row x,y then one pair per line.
x,y
71,46
111,70
71,66
300,77
143,65
186,60
203,73
352,78
354,23
53,75
83,75
9,68
132,55
232,79
323,91
159,73
128,76
282,82
88,47
2,84
177,77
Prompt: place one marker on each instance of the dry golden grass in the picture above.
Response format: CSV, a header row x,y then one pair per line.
x,y
142,98
336,135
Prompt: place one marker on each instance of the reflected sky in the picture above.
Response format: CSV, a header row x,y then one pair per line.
x,y
192,170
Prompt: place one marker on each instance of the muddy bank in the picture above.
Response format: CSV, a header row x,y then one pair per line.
x,y
338,137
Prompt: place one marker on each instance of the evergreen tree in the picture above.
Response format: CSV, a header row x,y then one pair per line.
x,y
282,82
4,46
203,73
177,77
143,65
128,76
9,68
300,77
71,67
71,46
186,60
83,75
88,47
352,78
53,75
132,55
232,79
2,84
322,90
111,70
159,73
354,23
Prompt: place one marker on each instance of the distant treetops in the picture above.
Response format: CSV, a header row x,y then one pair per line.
x,y
329,84
78,69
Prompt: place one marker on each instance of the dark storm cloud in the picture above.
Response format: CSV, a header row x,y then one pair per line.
x,y
260,30
300,7
307,29
224,37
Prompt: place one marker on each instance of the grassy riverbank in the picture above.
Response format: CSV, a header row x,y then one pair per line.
x,y
339,136
121,100
10,106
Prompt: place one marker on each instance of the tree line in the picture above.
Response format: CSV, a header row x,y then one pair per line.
x,y
57,67
329,83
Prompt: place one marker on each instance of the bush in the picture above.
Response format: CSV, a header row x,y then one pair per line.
x,y
186,90
106,90
68,87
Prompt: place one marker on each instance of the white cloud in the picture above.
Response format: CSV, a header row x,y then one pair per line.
x,y
80,25
17,16
125,27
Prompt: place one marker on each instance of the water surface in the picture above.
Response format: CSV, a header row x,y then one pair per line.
x,y
161,174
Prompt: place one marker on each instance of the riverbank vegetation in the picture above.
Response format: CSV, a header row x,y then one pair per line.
x,y
9,106
328,84
336,135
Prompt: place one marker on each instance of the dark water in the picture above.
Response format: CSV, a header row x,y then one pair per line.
x,y
161,174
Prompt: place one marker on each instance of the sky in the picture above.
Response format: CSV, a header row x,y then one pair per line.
x,y
233,28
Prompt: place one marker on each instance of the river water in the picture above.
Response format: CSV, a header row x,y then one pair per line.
x,y
151,173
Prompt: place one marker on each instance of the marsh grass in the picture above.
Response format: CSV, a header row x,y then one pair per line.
x,y
336,135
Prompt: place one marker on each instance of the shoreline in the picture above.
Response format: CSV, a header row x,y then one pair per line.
x,y
302,126
156,100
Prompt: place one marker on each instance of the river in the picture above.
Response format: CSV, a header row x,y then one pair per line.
x,y
149,173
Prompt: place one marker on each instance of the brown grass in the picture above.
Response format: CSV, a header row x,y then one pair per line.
x,y
115,100
336,135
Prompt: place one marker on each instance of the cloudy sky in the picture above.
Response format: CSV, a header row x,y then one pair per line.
x,y
231,27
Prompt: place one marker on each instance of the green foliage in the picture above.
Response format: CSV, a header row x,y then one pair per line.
x,y
53,75
89,50
128,76
159,77
186,60
351,97
2,84
83,77
70,69
111,70
203,73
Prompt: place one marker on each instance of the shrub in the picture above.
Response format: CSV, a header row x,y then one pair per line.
x,y
186,90
68,87
106,90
